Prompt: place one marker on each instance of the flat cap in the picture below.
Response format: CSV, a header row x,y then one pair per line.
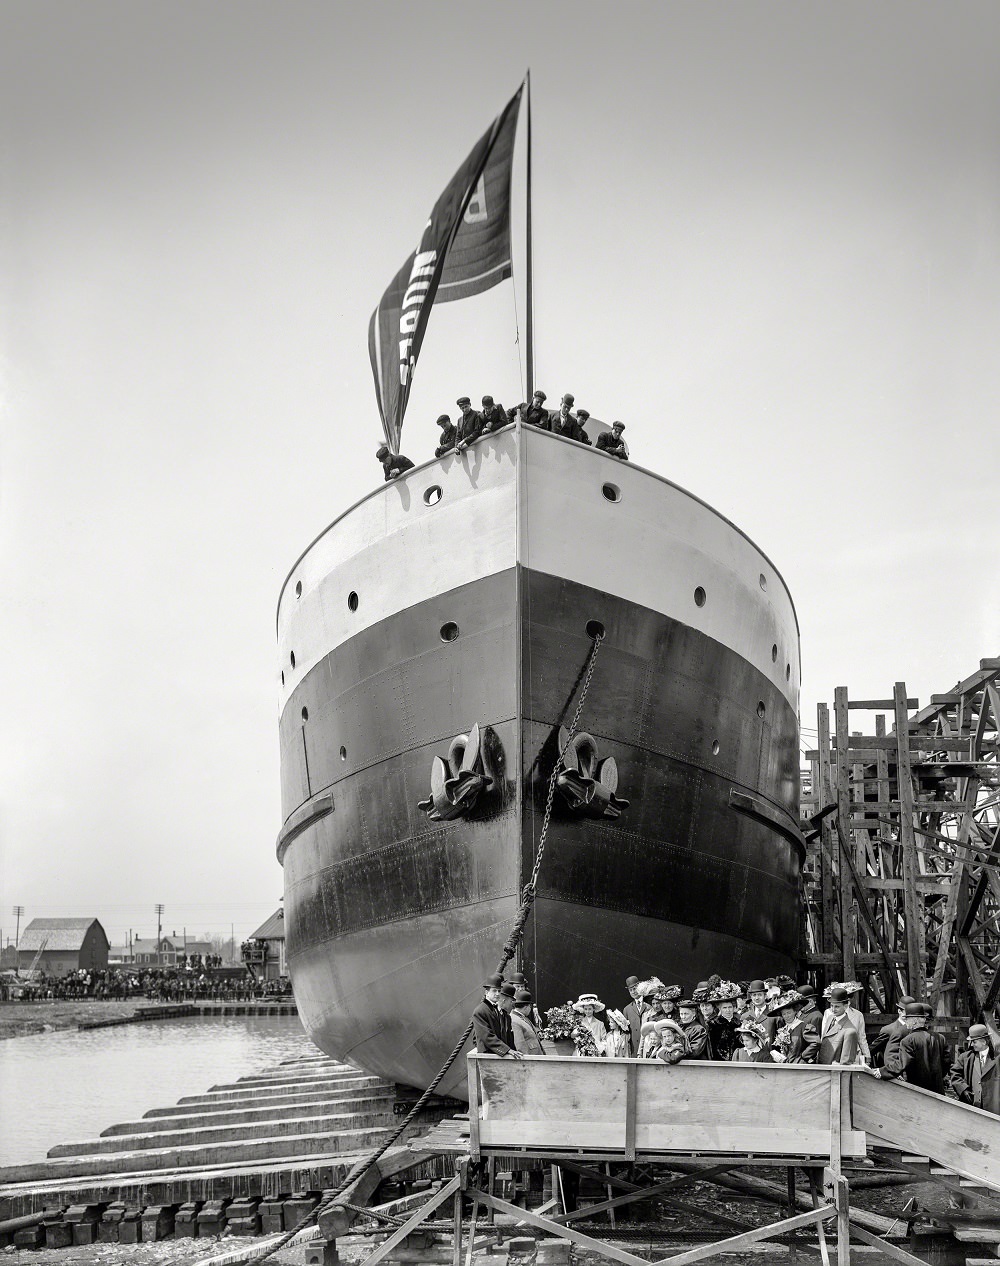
x,y
568,398
582,413
618,426
539,395
462,401
382,450
444,420
487,399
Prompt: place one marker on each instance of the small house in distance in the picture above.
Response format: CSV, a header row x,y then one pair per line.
x,y
62,945
264,951
169,951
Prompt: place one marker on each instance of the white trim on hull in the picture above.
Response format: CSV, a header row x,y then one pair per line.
x,y
656,546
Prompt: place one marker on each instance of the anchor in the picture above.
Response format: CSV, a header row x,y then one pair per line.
x,y
456,781
588,784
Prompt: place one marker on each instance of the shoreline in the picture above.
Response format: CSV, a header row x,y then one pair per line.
x,y
31,1019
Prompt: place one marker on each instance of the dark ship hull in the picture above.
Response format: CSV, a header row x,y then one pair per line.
x,y
411,620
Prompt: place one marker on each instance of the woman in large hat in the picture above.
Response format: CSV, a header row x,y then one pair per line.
x,y
616,1044
755,1047
794,1042
587,1006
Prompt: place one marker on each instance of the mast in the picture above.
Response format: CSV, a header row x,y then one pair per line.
x,y
529,358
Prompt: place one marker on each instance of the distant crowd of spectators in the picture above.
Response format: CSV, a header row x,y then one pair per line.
x,y
169,984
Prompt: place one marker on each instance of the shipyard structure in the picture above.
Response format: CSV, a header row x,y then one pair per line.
x,y
433,642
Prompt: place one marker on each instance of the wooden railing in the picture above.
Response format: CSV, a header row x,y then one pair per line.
x,y
630,1107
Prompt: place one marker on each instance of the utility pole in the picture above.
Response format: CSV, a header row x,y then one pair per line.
x,y
159,926
232,943
18,910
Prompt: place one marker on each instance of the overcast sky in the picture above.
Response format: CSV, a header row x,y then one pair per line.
x,y
767,237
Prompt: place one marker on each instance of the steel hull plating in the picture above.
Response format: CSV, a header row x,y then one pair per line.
x,y
392,920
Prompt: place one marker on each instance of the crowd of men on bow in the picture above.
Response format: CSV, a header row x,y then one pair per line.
x,y
758,1021
474,423
166,984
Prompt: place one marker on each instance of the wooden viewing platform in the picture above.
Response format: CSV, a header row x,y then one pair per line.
x,y
656,1127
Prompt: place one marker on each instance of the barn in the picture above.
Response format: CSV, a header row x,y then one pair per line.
x,y
62,945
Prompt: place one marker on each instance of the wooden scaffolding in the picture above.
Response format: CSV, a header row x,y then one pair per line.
x,y
902,879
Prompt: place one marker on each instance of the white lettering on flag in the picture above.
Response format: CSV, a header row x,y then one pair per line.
x,y
416,293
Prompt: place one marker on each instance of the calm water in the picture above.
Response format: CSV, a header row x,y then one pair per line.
x,y
68,1086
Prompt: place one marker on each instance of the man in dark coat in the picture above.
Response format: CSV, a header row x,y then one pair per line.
x,y
633,1013
886,1045
534,413
563,423
470,424
494,416
809,1013
393,464
922,1059
491,1026
611,442
449,435
975,1076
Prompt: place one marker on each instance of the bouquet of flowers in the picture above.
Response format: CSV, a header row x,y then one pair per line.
x,y
584,1041
781,1043
725,991
559,1023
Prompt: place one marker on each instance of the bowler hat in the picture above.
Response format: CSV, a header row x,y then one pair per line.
x,y
523,996
806,991
757,986
462,401
917,1009
568,398
487,399
507,989
979,1030
838,994
631,982
493,982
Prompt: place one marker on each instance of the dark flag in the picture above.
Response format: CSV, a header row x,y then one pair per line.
x,y
465,249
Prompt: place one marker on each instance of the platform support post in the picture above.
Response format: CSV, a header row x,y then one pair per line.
x,y
456,1257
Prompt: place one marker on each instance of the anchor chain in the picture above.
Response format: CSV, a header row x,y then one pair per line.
x,y
509,950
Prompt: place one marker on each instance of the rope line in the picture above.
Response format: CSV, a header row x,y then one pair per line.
x,y
361,1167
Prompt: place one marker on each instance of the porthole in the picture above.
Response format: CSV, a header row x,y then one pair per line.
x,y
763,581
595,629
433,495
774,653
761,709
700,597
449,631
715,747
305,714
343,753
352,600
611,492
292,658
298,589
